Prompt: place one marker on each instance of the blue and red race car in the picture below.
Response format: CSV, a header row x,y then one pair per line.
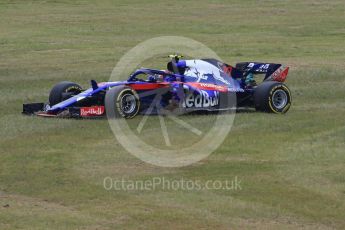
x,y
186,85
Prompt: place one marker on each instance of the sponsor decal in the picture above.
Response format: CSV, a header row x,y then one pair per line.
x,y
260,68
214,87
235,90
91,111
201,100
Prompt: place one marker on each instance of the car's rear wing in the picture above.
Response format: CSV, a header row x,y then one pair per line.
x,y
272,71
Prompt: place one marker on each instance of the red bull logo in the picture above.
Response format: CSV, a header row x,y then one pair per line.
x,y
91,111
201,100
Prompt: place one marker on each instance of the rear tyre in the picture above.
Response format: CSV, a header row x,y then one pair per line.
x,y
122,102
273,97
62,90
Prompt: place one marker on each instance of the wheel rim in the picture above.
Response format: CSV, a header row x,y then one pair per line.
x,y
279,99
128,103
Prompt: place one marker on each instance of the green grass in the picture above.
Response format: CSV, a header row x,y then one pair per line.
x,y
291,166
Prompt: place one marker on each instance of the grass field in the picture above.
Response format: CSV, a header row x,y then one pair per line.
x,y
291,167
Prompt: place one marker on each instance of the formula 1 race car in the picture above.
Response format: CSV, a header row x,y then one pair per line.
x,y
186,85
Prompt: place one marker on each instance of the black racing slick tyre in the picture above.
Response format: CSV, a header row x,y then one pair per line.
x,y
272,97
60,90
121,102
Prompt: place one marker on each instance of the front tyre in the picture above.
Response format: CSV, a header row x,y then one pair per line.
x,y
271,96
63,91
121,102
